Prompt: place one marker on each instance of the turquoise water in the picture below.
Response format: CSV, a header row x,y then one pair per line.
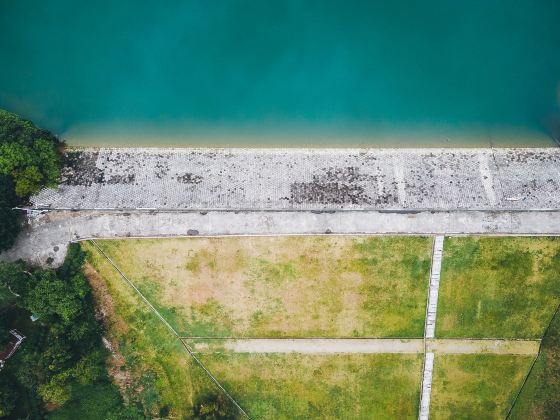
x,y
284,72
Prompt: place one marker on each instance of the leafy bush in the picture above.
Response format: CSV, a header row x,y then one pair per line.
x,y
214,407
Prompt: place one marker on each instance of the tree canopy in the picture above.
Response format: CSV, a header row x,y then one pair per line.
x,y
28,154
30,159
63,356
9,227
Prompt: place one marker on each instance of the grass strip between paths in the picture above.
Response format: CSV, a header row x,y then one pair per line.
x,y
172,330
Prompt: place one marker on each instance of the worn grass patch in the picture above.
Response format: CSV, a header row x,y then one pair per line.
x,y
506,287
476,386
148,364
292,386
283,286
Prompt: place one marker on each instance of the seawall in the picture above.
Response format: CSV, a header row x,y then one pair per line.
x,y
108,193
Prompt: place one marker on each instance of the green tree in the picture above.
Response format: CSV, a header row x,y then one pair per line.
x,y
9,226
4,336
14,276
62,361
30,159
52,296
32,162
57,390
7,398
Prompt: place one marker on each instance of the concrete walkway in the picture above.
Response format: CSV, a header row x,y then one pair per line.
x,y
364,345
430,328
426,394
431,314
240,179
46,239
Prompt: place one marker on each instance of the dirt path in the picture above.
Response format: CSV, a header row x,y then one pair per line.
x,y
364,345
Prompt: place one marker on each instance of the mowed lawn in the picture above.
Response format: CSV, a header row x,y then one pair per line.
x,y
476,386
292,386
304,286
502,287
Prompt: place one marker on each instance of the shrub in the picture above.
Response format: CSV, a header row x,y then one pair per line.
x,y
213,407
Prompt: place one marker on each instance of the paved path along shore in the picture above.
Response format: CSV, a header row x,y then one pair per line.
x,y
108,193
46,238
307,179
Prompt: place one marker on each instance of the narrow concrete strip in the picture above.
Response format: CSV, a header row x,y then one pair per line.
x,y
430,327
434,287
426,387
314,345
363,345
483,346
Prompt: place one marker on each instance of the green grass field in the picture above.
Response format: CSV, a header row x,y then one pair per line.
x,y
283,286
152,367
503,287
540,397
267,386
476,386
329,286
291,386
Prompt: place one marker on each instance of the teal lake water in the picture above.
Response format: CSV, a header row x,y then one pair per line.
x,y
345,73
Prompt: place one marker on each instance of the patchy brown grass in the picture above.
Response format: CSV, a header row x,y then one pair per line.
x,y
283,286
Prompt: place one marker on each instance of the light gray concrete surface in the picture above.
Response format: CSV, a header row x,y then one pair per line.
x,y
307,179
320,345
175,192
47,236
425,395
431,313
365,345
